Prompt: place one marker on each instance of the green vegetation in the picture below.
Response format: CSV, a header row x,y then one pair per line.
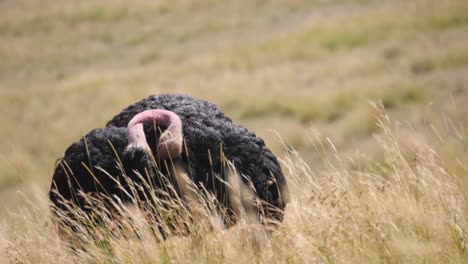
x,y
451,59
399,96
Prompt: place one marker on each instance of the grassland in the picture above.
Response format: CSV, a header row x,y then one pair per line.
x,y
305,70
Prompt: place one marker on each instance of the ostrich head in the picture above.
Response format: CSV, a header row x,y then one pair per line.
x,y
170,142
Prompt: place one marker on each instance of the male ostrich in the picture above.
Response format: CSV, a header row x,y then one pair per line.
x,y
210,139
90,170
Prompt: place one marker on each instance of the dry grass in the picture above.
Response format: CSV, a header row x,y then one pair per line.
x,y
407,208
295,67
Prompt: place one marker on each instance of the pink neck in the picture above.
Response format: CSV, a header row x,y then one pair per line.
x,y
171,138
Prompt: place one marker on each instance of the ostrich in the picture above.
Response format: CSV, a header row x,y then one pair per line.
x,y
209,140
90,170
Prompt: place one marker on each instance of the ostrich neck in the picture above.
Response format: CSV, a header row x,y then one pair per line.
x,y
136,134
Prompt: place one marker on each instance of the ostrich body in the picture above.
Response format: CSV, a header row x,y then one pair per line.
x,y
210,139
108,161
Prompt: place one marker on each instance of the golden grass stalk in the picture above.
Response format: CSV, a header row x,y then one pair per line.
x,y
405,209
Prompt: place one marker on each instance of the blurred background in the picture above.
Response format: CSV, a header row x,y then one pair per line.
x,y
301,69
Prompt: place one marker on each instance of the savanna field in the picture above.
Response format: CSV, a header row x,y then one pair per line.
x,y
363,102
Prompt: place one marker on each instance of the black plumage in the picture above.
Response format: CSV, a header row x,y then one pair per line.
x,y
102,162
209,137
95,166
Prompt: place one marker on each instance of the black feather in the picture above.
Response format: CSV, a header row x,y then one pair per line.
x,y
207,131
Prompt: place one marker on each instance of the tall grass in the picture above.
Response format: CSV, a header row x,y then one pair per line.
x,y
406,208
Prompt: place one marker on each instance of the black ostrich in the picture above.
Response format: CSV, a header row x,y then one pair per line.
x,y
162,130
209,140
106,167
